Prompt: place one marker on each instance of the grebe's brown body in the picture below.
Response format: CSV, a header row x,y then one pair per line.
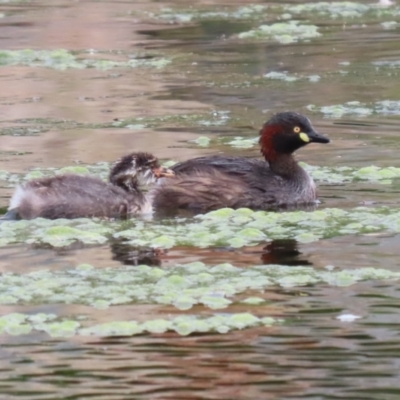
x,y
208,183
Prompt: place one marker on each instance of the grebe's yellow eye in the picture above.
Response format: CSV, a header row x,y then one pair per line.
x,y
296,129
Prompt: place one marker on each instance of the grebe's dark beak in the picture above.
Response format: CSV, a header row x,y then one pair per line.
x,y
162,172
313,137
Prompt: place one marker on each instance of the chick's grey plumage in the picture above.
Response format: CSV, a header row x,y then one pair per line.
x,y
75,196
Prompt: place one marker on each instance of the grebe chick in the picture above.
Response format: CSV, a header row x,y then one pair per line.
x,y
77,196
208,183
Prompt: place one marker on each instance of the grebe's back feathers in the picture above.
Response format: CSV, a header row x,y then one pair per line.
x,y
228,165
206,188
212,182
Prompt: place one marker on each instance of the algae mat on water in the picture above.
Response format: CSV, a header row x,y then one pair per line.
x,y
357,108
63,59
284,29
283,32
21,324
181,286
225,227
348,10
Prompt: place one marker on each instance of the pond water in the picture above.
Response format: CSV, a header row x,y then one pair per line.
x,y
230,305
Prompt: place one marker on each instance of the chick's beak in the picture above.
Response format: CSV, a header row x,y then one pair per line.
x,y
315,137
162,172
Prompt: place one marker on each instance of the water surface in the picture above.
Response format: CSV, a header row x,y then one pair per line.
x,y
214,85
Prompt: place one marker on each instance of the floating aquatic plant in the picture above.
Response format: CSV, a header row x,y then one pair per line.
x,y
100,169
284,76
390,64
202,141
181,286
384,107
343,9
390,24
22,131
228,227
241,142
253,301
338,110
283,32
61,236
224,227
76,169
346,174
338,9
38,125
250,11
20,324
57,233
63,59
213,118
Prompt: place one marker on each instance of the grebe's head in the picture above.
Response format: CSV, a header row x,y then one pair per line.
x,y
286,132
137,169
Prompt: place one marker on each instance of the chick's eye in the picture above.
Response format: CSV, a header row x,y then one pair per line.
x,y
296,129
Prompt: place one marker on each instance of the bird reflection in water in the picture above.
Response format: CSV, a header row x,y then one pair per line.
x,y
281,251
131,255
284,252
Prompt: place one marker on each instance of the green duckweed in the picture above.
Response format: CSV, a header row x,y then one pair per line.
x,y
241,142
180,286
77,169
192,14
385,107
253,300
389,24
283,32
16,324
286,77
63,59
343,9
202,141
223,227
